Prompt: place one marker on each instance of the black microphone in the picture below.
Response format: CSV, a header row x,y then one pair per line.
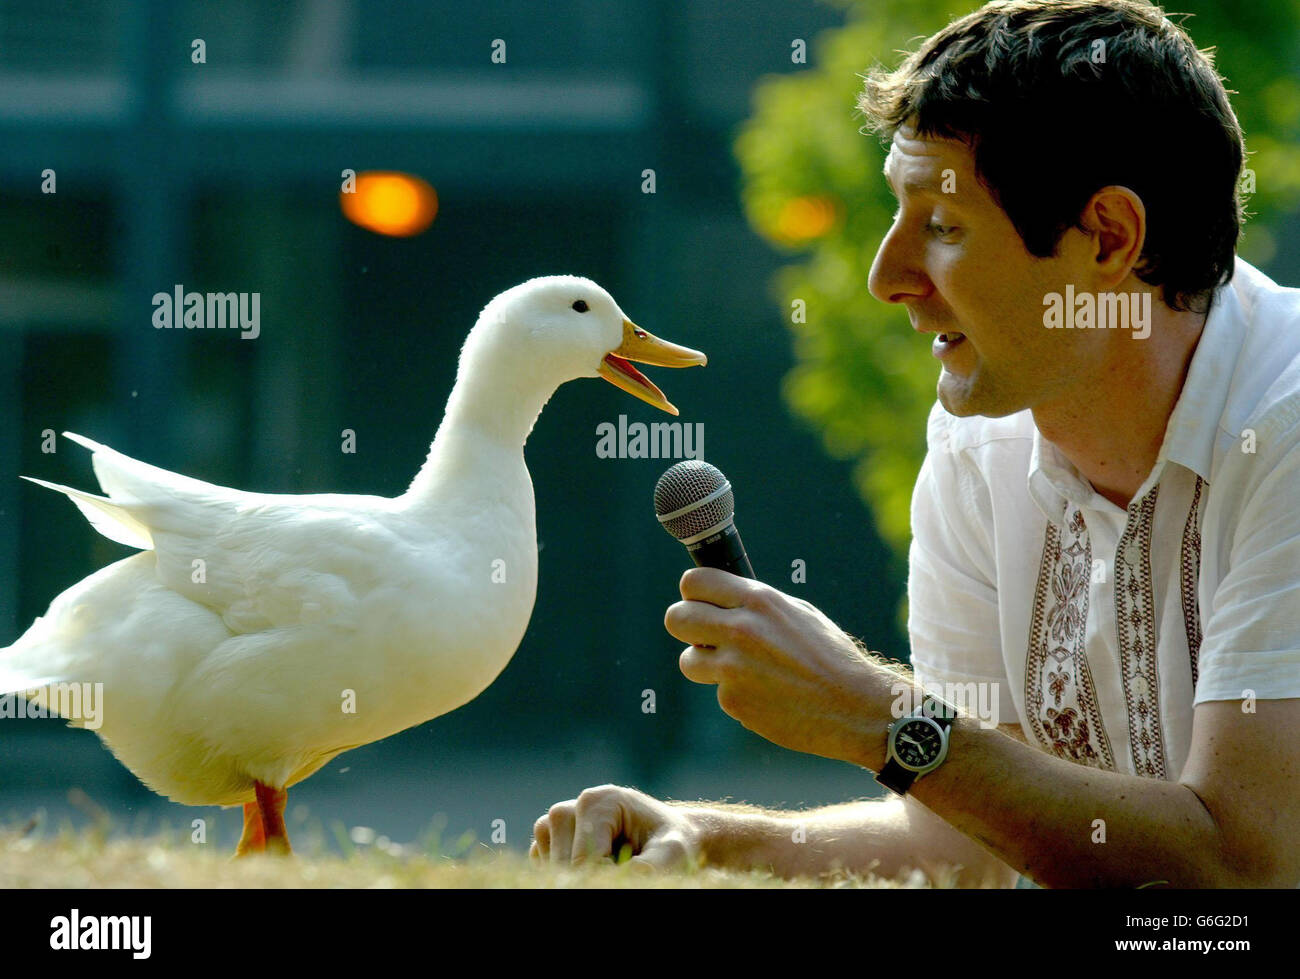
x,y
694,503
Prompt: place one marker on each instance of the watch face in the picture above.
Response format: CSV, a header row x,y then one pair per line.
x,y
917,743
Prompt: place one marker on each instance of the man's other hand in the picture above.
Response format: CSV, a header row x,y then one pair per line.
x,y
609,820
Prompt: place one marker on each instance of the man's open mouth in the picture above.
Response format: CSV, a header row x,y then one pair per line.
x,y
944,343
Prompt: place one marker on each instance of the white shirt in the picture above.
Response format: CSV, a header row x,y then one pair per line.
x,y
1022,575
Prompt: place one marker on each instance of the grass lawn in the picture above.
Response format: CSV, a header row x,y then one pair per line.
x,y
31,856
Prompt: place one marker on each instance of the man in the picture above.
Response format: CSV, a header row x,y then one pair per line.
x,y
1105,529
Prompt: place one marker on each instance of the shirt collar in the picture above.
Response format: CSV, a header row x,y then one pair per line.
x,y
1191,433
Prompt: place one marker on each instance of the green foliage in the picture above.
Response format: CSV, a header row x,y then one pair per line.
x,y
862,377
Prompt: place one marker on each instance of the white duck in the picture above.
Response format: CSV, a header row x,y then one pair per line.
x,y
230,649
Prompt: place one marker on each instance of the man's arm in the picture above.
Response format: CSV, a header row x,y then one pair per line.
x,y
784,671
1230,821
886,836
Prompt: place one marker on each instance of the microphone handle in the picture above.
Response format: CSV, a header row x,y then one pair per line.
x,y
724,550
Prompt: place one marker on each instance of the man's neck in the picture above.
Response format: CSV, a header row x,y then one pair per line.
x,y
1112,425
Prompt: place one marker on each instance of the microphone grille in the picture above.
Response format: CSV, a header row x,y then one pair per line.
x,y
698,489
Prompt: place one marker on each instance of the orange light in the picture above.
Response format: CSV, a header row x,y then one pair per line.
x,y
390,203
804,218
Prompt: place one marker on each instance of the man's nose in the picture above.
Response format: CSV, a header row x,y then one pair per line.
x,y
895,275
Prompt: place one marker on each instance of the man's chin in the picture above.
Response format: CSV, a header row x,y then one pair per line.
x,y
962,399
955,396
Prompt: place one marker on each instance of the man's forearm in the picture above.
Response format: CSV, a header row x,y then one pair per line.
x,y
886,837
1066,825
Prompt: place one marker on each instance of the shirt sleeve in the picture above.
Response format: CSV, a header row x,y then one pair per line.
x,y
1251,632
952,597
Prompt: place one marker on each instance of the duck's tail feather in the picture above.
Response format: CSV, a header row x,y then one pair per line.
x,y
111,519
81,440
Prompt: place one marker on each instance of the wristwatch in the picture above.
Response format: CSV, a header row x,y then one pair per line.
x,y
918,744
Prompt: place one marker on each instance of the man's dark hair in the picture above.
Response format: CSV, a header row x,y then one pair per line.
x,y
1050,122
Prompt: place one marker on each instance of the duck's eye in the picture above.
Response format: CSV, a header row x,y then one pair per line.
x,y
580,305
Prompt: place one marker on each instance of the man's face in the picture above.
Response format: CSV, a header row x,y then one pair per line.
x,y
955,261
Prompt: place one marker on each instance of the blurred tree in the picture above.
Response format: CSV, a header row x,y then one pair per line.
x,y
812,186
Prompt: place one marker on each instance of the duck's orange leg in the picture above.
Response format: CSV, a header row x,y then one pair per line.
x,y
271,802
254,838
264,830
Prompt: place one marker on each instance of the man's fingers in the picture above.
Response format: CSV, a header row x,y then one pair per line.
x,y
699,623
598,823
541,847
700,665
605,814
715,586
561,818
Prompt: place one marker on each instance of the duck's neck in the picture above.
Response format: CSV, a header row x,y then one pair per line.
x,y
485,425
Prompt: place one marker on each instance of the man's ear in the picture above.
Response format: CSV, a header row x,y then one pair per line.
x,y
1116,220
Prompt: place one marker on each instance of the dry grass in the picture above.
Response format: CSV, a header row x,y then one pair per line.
x,y
94,858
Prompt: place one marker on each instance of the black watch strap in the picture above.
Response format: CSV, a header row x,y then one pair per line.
x,y
895,776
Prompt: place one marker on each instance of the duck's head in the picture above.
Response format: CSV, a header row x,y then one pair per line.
x,y
561,327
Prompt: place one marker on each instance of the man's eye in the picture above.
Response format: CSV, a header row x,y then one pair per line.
x,y
940,230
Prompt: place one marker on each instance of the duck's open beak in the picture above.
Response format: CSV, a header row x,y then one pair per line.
x,y
645,348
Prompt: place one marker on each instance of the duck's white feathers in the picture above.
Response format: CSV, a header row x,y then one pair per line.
x,y
238,646
258,560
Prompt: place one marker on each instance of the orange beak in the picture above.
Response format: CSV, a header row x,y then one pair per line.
x,y
645,348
